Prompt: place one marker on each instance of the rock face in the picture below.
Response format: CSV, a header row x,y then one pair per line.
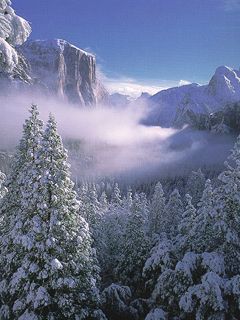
x,y
64,70
178,106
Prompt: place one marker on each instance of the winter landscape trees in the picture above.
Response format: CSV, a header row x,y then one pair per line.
x,y
47,265
96,251
113,247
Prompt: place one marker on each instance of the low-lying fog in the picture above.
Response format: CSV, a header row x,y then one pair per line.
x,y
113,142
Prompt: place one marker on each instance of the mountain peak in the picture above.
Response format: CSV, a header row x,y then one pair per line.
x,y
173,104
227,74
223,70
225,82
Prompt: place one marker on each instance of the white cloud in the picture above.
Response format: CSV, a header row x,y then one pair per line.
x,y
183,83
132,87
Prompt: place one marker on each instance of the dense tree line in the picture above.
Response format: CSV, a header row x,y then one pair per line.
x,y
93,251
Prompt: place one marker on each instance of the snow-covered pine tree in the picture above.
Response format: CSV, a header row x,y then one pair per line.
x,y
116,196
48,262
195,185
205,281
188,216
100,243
128,200
186,224
156,211
112,234
202,236
3,189
83,198
135,248
29,143
160,258
116,302
172,214
104,205
92,211
112,231
213,271
227,226
173,269
10,204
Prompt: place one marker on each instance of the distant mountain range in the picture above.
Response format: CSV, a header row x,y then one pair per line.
x,y
59,68
180,105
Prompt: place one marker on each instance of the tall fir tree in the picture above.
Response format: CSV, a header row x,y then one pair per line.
x,y
172,214
11,203
116,196
128,200
186,225
188,216
195,185
135,248
92,209
3,189
202,236
46,251
104,205
29,145
156,211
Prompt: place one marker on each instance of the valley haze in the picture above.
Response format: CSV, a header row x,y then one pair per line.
x,y
116,140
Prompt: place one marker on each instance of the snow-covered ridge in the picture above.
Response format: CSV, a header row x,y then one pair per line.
x,y
57,44
171,106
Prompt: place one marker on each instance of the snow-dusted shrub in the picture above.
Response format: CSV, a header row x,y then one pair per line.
x,y
157,314
115,301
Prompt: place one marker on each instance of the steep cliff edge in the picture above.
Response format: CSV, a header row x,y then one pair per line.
x,y
64,70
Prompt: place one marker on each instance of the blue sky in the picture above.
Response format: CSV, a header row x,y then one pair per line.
x,y
153,43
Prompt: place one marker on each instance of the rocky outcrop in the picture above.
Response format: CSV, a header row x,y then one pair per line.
x,y
64,70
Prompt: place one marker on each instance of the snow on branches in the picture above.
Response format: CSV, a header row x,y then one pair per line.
x,y
14,31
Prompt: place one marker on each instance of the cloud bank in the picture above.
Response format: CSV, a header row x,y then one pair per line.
x,y
113,142
134,88
130,87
